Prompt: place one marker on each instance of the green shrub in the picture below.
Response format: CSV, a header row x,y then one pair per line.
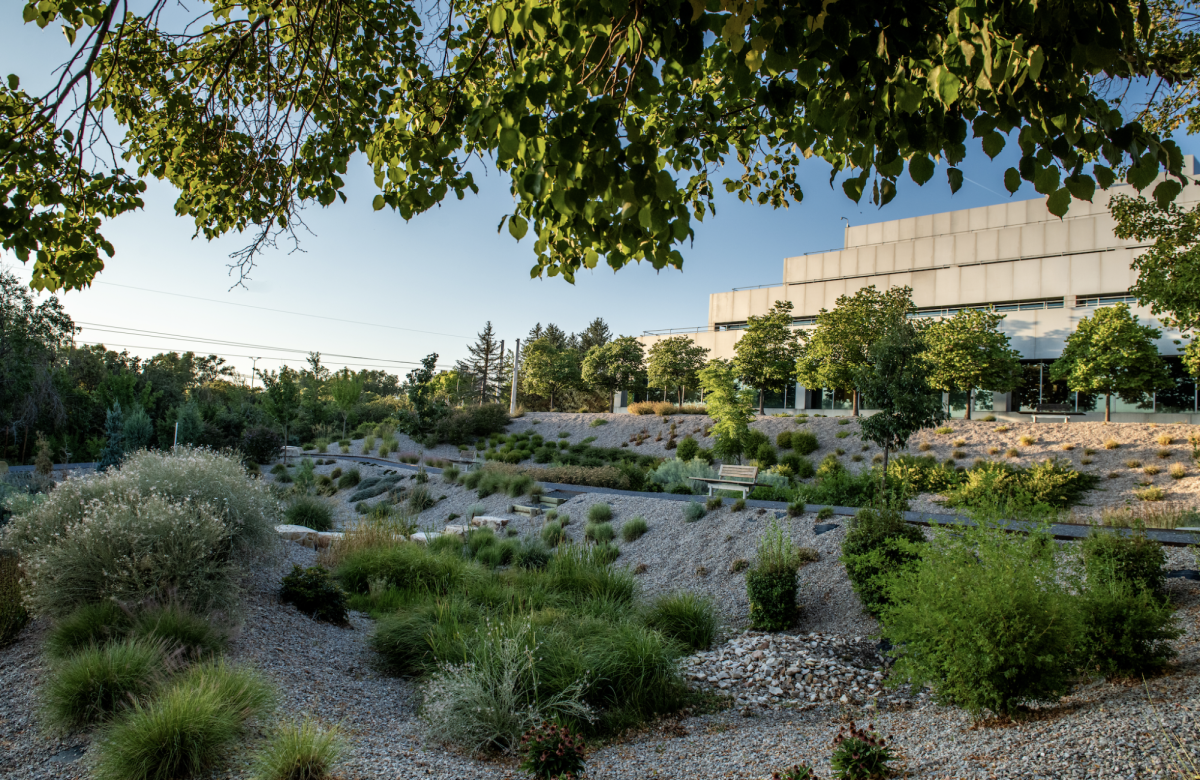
x,y
784,440
211,484
97,681
179,631
314,592
1051,483
284,479
599,513
825,513
771,582
349,479
765,455
688,449
420,499
675,472
403,563
146,549
1126,557
1128,630
754,439
877,546
686,617
693,511
714,503
309,511
299,751
805,442
260,444
186,729
860,754
802,467
923,474
599,532
450,475
983,619
553,534
13,615
830,466
633,529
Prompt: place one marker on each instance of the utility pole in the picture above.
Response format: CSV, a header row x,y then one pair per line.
x,y
512,402
253,370
500,371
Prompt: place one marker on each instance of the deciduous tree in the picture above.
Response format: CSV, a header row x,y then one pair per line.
x,y
766,354
893,379
840,345
731,408
968,352
346,391
549,370
674,364
609,119
617,365
281,398
1111,352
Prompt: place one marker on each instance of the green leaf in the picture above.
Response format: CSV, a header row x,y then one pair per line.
x,y
496,20
946,84
1166,192
853,188
378,203
1104,176
517,226
13,81
993,144
1059,202
956,179
1045,179
1036,60
510,142
1082,187
920,168
1012,180
1143,173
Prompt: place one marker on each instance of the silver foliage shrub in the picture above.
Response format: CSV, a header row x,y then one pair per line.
x,y
487,703
679,472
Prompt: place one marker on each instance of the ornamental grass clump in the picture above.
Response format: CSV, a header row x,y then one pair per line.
x,y
983,618
97,681
693,511
185,729
600,533
771,582
685,617
309,511
300,751
633,528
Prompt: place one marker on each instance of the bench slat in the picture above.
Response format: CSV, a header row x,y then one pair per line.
x,y
744,472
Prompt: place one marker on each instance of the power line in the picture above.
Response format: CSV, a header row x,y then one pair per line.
x,y
225,354
284,311
102,328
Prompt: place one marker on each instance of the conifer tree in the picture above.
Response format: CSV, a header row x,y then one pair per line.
x,y
483,363
114,439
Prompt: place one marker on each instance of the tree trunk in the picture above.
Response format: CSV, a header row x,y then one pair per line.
x,y
552,401
969,404
664,395
483,386
760,401
1107,406
854,402
613,405
883,477
682,390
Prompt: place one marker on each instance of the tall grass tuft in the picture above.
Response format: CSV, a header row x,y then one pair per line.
x,y
311,512
184,730
97,681
299,751
686,617
633,528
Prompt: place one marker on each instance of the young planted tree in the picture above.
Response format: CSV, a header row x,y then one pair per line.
x,y
281,399
968,352
549,370
1111,352
731,408
617,365
422,392
840,345
766,354
674,364
894,382
346,391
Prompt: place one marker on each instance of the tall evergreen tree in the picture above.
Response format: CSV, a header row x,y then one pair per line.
x,y
114,439
483,364
596,334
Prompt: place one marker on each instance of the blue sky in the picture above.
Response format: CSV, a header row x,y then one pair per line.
x,y
445,272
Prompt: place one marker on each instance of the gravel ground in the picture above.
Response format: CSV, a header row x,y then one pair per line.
x,y
1102,730
987,440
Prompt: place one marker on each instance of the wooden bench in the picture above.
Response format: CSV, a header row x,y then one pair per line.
x,y
743,478
1066,410
467,463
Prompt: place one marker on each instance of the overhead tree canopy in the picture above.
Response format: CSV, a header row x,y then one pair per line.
x,y
614,121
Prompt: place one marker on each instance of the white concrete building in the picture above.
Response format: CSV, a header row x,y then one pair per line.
x,y
1043,272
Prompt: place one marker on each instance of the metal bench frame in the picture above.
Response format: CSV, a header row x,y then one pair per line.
x,y
1053,410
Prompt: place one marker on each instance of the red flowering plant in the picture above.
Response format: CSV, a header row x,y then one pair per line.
x,y
552,752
